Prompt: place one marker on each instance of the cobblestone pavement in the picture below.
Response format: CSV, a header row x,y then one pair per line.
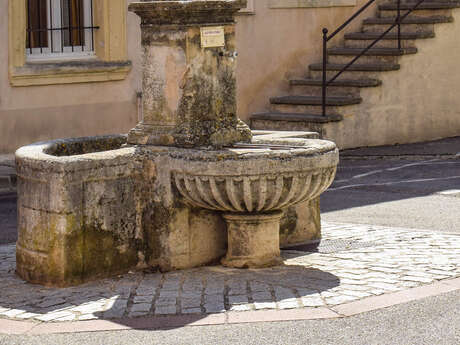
x,y
353,262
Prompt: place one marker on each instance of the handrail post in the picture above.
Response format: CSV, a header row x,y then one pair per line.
x,y
324,85
398,19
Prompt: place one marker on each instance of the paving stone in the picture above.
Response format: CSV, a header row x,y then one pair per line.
x,y
146,291
165,301
417,279
282,293
53,316
71,317
87,317
191,294
169,293
312,301
214,307
13,312
240,307
238,299
262,297
289,303
340,299
359,294
165,310
237,288
307,292
190,302
383,286
191,311
377,292
141,307
353,281
355,287
51,302
264,305
143,299
171,285
383,280
259,287
89,308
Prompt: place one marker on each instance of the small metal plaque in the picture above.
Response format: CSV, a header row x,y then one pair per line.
x,y
212,36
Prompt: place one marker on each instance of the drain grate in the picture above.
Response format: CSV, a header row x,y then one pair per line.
x,y
331,246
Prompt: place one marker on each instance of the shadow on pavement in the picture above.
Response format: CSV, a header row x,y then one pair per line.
x,y
368,182
8,218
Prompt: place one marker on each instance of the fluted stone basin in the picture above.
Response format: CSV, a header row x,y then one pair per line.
x,y
251,185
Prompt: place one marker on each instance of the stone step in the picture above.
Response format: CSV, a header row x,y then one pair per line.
x,y
339,87
363,39
293,121
357,70
316,100
419,12
378,67
426,5
373,51
297,117
370,36
409,20
318,74
342,83
311,104
412,2
404,27
372,56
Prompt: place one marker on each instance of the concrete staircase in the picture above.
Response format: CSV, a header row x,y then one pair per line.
x,y
301,109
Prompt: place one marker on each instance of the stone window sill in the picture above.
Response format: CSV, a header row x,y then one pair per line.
x,y
73,71
275,4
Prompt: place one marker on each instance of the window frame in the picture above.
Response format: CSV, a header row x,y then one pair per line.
x,y
108,62
55,49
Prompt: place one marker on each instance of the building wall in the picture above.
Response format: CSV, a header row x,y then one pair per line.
x,y
274,44
278,43
36,113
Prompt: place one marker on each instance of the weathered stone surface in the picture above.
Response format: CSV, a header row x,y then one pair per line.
x,y
253,240
76,221
189,90
112,209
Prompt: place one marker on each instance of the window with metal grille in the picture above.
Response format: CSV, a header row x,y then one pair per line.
x,y
60,28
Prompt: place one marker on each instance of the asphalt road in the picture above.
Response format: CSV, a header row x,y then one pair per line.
x,y
420,194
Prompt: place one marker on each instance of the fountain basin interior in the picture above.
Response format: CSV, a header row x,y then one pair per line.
x,y
86,213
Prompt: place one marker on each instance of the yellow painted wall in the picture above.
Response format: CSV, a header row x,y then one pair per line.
x,y
36,113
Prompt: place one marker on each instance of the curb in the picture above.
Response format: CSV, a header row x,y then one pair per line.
x,y
11,327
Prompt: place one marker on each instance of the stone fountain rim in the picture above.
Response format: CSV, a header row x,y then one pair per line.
x,y
37,154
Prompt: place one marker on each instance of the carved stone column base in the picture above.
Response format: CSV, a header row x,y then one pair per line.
x,y
253,240
144,134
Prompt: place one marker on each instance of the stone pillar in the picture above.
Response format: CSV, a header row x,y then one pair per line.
x,y
253,240
189,84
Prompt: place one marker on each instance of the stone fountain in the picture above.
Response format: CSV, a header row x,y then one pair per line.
x,y
188,186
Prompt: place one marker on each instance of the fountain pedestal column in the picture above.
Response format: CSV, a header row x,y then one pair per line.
x,y
253,240
189,84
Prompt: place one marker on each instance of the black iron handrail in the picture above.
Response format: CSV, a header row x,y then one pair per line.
x,y
326,38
